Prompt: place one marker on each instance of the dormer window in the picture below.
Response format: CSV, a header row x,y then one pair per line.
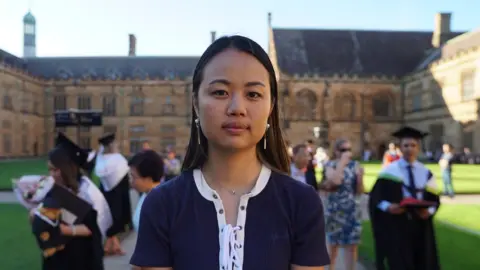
x,y
113,74
139,73
64,74
89,74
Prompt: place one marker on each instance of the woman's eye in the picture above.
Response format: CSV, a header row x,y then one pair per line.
x,y
254,95
219,93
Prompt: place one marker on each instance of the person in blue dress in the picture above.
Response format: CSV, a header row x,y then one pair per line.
x,y
343,217
234,205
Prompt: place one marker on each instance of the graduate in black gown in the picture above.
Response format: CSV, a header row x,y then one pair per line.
x,y
404,235
113,170
81,244
90,164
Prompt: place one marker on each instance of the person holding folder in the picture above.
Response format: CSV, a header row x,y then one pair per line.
x,y
83,224
113,170
402,205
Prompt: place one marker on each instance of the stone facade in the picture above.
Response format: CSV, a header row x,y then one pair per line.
x,y
445,99
138,111
374,85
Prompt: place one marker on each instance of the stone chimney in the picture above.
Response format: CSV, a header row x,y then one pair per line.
x,y
214,36
441,32
132,46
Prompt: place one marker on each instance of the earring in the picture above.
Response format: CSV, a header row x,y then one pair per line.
x,y
197,123
265,137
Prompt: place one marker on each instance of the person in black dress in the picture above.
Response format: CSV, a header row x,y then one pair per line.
x,y
113,170
234,206
83,247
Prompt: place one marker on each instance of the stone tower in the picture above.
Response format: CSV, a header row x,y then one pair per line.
x,y
29,36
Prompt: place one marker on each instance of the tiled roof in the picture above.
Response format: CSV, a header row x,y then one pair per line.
x,y
11,60
326,52
111,67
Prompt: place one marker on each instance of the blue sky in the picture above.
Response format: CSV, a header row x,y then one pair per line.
x,y
182,27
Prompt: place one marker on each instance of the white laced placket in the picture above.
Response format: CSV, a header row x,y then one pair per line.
x,y
231,238
229,245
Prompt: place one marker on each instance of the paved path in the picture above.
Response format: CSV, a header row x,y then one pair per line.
x,y
122,262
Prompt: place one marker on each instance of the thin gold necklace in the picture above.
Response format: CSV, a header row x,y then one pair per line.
x,y
229,190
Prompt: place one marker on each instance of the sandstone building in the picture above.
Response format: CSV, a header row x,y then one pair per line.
x,y
375,81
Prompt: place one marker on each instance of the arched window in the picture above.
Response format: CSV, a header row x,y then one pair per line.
x,y
306,103
344,106
382,106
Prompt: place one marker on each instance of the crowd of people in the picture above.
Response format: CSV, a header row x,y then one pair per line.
x,y
240,199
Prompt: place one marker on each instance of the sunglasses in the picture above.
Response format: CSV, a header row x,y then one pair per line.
x,y
342,150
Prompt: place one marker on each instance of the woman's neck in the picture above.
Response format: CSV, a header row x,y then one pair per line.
x,y
232,170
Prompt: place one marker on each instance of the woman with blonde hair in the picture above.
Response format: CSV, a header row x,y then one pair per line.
x,y
344,176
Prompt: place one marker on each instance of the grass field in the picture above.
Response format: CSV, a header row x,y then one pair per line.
x,y
466,177
457,249
16,168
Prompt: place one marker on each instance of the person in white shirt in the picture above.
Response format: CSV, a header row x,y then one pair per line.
x,y
112,169
146,169
299,163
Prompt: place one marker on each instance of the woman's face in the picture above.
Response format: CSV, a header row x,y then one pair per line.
x,y
234,100
139,183
346,148
54,172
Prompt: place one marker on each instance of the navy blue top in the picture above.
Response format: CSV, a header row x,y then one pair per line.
x,y
181,221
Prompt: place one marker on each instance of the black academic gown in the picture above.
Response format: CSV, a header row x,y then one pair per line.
x,y
403,242
118,200
80,253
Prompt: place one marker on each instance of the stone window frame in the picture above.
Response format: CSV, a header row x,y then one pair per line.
x,y
340,98
84,102
109,104
467,78
303,104
137,102
382,98
415,97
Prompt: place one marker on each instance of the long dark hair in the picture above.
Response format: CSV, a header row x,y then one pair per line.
x,y
69,170
275,156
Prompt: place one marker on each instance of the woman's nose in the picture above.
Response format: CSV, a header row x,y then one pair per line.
x,y
237,105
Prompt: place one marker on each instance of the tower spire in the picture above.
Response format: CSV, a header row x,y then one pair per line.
x,y
29,35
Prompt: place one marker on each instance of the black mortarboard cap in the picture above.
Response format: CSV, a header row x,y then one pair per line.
x,y
76,153
50,203
107,139
409,132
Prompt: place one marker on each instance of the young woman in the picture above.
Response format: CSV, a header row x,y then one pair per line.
x,y
343,220
112,169
234,205
84,249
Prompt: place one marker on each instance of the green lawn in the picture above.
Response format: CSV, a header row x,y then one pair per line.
x,y
457,249
466,178
17,245
16,168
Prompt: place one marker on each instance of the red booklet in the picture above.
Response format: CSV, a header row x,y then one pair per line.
x,y
415,203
